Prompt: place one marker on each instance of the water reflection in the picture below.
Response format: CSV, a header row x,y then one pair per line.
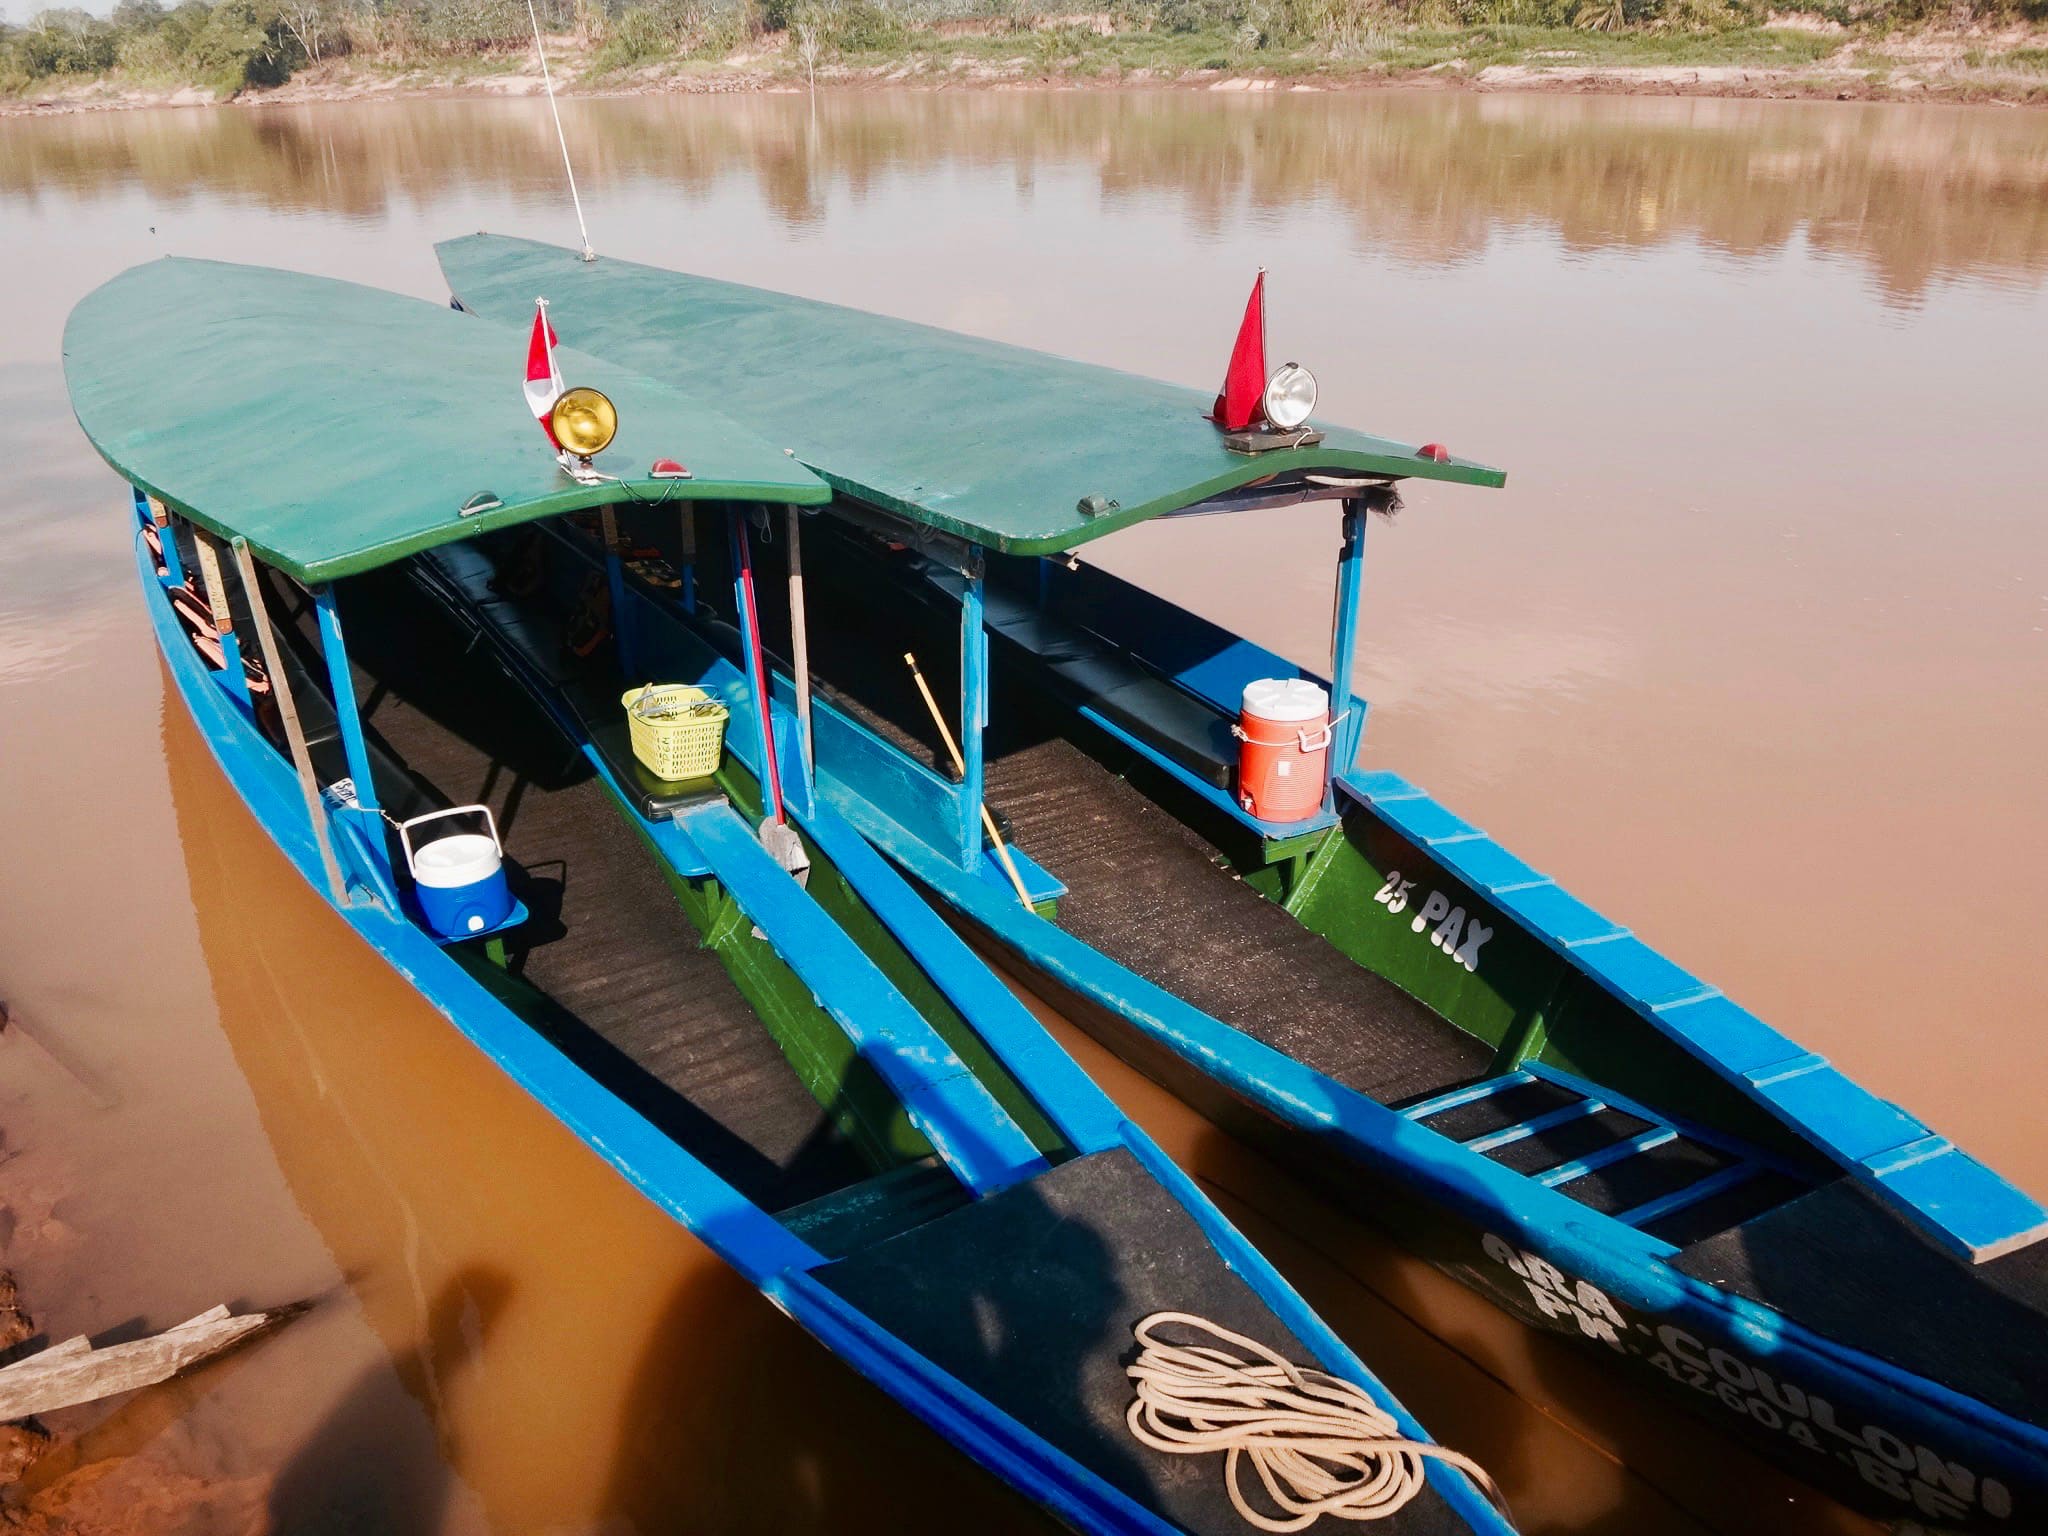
x,y
1912,197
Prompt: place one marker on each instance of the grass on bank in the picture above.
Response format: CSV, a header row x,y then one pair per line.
x,y
231,46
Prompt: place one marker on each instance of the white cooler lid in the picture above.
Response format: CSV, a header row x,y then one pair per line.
x,y
448,862
1286,698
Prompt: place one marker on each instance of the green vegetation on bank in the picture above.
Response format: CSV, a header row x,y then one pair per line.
x,y
229,46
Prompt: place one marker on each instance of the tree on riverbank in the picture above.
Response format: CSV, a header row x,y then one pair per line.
x,y
226,47
229,46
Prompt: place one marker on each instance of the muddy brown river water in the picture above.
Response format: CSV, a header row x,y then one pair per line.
x,y
1751,653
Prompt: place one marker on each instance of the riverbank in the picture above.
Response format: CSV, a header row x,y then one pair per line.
x,y
1794,57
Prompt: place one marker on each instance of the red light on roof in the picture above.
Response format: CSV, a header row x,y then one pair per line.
x,y
1435,451
667,469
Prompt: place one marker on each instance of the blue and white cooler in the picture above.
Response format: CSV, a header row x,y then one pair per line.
x,y
459,877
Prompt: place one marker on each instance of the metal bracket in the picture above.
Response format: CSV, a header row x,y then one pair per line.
x,y
1267,439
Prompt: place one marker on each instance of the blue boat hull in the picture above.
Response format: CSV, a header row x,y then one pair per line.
x,y
768,1255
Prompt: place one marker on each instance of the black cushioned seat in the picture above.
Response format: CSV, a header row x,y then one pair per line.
x,y
473,574
1171,723
604,721
466,567
1096,674
538,644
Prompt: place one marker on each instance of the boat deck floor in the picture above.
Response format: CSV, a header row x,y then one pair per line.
x,y
1029,1297
630,992
1151,894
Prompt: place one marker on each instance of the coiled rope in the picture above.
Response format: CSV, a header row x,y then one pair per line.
x,y
1319,1444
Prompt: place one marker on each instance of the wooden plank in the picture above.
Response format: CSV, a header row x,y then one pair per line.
x,y
74,1372
288,712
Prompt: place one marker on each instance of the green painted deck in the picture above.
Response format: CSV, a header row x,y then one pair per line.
x,y
338,428
994,443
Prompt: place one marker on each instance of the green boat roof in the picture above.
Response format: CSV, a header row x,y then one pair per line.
x,y
994,443
338,428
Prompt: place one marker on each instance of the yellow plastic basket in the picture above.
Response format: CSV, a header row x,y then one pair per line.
x,y
678,731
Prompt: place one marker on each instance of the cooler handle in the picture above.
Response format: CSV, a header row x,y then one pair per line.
x,y
405,829
1319,738
1311,741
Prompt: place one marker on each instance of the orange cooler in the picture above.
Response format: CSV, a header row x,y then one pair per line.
x,y
1284,760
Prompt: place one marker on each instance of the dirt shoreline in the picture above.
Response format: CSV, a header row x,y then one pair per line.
x,y
1850,75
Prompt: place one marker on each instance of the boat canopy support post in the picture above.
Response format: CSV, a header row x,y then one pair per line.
x,y
687,517
233,675
347,715
755,663
288,712
800,647
154,513
1344,643
973,708
615,584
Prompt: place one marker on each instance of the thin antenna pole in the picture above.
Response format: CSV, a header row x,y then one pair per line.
x,y
560,137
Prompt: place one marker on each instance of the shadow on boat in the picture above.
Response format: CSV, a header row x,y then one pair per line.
x,y
520,759
801,1442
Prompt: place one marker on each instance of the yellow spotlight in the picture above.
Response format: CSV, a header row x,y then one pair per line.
x,y
585,422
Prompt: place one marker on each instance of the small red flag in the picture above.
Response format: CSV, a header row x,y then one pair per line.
x,y
1243,400
543,380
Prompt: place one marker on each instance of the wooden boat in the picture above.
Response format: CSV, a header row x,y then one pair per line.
x,y
1428,1027
820,1081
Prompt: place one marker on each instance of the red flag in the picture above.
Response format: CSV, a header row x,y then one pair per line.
x,y
1244,382
543,379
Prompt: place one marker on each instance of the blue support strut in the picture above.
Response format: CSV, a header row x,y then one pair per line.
x,y
335,652
754,663
1350,594
615,583
973,710
687,556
